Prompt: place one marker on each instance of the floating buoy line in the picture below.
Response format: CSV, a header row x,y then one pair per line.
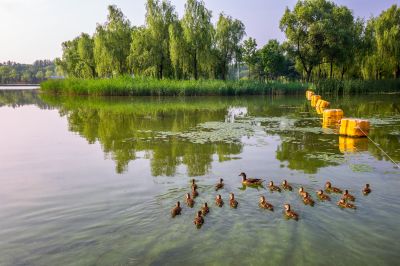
x,y
348,127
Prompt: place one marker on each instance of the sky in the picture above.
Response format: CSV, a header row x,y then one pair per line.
x,y
35,29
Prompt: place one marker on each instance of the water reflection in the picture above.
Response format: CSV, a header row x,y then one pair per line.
x,y
194,132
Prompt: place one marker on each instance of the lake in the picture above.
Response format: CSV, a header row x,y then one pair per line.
x,y
91,181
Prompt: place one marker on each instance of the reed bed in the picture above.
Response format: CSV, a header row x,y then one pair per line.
x,y
128,86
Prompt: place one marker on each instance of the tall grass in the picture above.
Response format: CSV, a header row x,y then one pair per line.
x,y
128,86
346,87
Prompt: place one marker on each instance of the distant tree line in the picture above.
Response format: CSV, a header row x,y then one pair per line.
x,y
15,73
323,41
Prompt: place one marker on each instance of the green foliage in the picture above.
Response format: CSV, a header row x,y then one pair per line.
x,y
14,73
333,86
250,53
125,85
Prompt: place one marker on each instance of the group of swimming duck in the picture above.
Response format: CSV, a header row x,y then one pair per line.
x,y
344,202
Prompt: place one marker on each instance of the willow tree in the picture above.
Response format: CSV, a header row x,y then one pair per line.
x,y
387,33
178,51
85,47
249,51
159,16
142,57
229,34
305,30
112,44
198,35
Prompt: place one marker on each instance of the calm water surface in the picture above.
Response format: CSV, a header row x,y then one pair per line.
x,y
91,181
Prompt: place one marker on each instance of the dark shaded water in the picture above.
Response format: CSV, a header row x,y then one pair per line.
x,y
91,181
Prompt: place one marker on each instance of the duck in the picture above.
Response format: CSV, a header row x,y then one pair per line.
x,y
194,185
307,199
218,201
366,190
232,202
347,196
194,193
219,185
302,192
250,181
264,204
322,196
289,213
286,186
176,210
272,187
343,204
198,220
329,188
189,200
205,209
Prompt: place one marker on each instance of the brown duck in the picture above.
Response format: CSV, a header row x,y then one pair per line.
x,y
322,196
218,201
264,204
219,185
347,196
198,220
194,193
286,186
366,190
176,210
307,200
232,201
194,185
329,188
250,181
289,213
189,200
343,204
272,187
205,209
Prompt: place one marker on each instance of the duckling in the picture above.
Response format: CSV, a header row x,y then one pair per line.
x,y
189,200
194,193
286,186
194,185
198,220
343,204
329,188
289,213
219,185
302,192
232,202
307,199
250,181
272,187
366,189
176,210
322,196
348,196
205,209
264,204
219,201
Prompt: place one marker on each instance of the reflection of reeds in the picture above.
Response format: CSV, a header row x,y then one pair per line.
x,y
125,86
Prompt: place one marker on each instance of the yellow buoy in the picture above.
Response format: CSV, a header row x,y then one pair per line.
x,y
314,100
319,110
331,117
309,94
354,127
322,104
347,144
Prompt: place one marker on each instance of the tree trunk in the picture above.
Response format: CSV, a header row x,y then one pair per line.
x,y
195,71
249,71
331,73
343,71
397,72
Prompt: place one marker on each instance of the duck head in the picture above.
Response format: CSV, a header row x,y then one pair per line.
x,y
221,180
243,175
178,204
262,199
193,181
305,195
271,183
284,182
366,185
320,192
231,196
301,189
205,204
287,207
328,184
199,214
346,192
187,195
218,197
